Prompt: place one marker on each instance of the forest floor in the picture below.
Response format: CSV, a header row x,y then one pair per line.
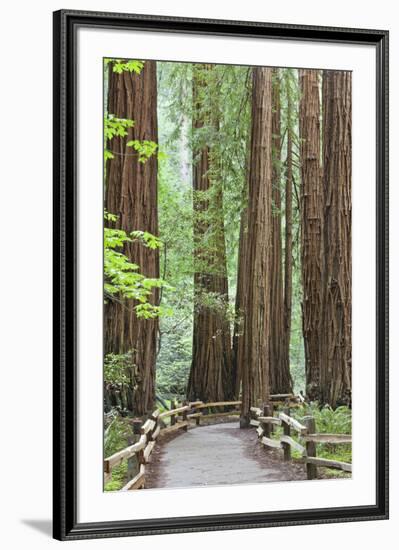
x,y
218,454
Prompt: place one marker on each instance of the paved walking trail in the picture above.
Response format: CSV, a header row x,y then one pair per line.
x,y
218,454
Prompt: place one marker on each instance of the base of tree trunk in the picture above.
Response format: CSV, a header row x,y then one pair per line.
x,y
244,421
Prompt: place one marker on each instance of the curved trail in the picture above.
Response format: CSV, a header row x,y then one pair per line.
x,y
218,454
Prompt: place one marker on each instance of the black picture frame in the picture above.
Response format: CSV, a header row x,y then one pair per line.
x,y
66,527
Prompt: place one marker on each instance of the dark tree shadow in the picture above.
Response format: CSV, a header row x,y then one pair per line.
x,y
44,526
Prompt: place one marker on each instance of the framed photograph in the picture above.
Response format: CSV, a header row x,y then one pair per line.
x,y
220,274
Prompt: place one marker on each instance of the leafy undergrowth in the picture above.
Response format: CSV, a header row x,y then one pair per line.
x,y
116,438
118,479
328,420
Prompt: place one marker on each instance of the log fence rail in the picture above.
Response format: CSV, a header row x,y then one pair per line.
x,y
179,418
306,433
156,426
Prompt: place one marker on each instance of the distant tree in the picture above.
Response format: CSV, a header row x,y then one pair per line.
x,y
311,226
288,252
210,376
238,340
280,379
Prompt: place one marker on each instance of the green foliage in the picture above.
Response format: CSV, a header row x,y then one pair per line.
x,y
118,127
330,420
119,66
338,421
118,478
224,98
115,368
116,437
215,302
176,226
148,239
114,126
122,278
108,155
173,364
144,148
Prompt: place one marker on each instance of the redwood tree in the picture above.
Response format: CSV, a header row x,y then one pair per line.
x,y
280,380
210,376
311,226
288,264
256,334
238,341
131,194
336,321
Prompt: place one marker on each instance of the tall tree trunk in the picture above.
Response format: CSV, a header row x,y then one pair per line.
x,y
311,226
238,350
256,336
131,194
288,228
280,380
337,151
211,368
239,309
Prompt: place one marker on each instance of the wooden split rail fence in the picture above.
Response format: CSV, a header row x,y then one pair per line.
x,y
265,421
155,426
138,454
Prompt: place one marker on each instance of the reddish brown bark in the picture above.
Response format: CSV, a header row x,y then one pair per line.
x,y
280,379
288,265
256,335
311,226
210,376
337,266
238,351
131,194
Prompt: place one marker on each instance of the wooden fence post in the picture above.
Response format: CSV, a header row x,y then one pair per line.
x,y
133,465
173,417
272,427
185,416
311,469
140,454
267,411
287,431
